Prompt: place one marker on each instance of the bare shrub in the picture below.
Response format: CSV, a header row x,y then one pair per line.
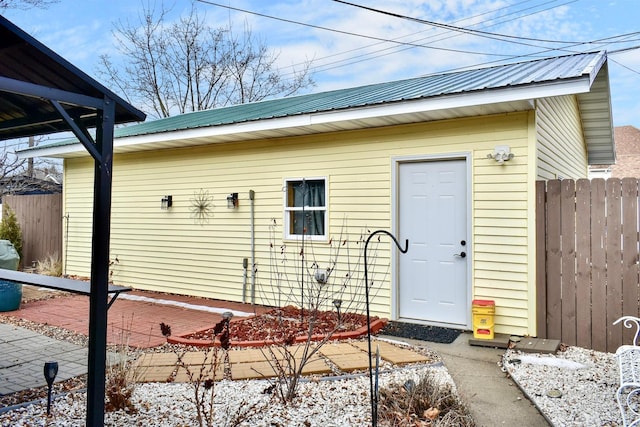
x,y
203,376
122,377
430,402
314,282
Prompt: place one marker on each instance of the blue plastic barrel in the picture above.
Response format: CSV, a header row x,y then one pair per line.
x,y
10,295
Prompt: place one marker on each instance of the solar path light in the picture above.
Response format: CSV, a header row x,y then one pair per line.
x,y
50,372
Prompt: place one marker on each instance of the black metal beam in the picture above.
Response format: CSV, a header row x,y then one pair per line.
x,y
100,266
28,120
37,91
82,134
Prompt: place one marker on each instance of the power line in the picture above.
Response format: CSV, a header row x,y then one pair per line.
x,y
397,49
349,33
609,53
624,66
480,33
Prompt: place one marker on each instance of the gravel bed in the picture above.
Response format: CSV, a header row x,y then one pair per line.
x,y
586,381
342,402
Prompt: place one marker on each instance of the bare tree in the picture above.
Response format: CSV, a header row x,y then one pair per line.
x,y
189,66
20,175
25,4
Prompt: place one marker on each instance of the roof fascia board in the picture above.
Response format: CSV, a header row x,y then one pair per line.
x,y
595,67
503,95
58,151
467,99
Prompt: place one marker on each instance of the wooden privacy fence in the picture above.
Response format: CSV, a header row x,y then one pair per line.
x,y
40,217
587,260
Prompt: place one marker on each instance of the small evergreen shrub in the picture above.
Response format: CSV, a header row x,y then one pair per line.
x,y
10,229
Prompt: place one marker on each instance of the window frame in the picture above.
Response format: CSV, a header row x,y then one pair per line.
x,y
288,209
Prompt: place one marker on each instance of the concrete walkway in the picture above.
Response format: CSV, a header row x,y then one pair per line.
x,y
492,398
24,354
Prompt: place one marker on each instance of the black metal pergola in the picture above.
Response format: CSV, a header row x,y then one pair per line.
x,y
42,93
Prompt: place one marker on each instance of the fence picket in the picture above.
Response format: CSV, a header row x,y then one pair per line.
x,y
568,260
613,189
598,304
554,283
583,267
629,252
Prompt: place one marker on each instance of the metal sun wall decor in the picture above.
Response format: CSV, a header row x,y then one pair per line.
x,y
201,206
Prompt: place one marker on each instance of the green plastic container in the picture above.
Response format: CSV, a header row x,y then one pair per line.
x,y
10,292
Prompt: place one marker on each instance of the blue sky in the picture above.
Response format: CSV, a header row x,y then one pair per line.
x,y
81,30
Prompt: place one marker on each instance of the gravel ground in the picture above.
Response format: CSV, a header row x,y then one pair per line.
x,y
586,381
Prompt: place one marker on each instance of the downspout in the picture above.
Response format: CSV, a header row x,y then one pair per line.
x,y
252,196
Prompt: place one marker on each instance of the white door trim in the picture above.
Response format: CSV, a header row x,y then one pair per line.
x,y
395,166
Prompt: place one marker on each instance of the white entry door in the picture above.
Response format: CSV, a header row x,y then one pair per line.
x,y
433,215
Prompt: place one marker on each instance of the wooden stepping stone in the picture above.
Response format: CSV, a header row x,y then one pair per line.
x,y
263,369
259,370
149,374
157,359
198,358
331,349
198,373
351,362
244,356
392,353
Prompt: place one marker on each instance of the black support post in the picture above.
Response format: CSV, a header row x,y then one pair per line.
x,y
100,266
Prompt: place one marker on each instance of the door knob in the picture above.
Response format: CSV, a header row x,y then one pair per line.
x,y
461,254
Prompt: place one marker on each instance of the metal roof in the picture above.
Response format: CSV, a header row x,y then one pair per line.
x,y
27,63
505,88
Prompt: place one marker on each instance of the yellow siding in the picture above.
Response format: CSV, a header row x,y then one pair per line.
x,y
561,149
166,251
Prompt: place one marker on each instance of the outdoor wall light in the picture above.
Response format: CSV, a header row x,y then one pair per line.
x,y
232,200
50,372
166,202
501,154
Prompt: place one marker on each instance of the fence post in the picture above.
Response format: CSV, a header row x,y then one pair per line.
x,y
541,260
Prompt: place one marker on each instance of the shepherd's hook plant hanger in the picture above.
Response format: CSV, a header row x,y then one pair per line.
x,y
374,397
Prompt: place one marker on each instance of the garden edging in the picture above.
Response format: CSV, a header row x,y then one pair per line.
x,y
375,326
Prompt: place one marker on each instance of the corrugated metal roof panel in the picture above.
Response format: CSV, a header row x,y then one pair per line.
x,y
511,75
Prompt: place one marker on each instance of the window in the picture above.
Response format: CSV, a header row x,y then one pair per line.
x,y
305,208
